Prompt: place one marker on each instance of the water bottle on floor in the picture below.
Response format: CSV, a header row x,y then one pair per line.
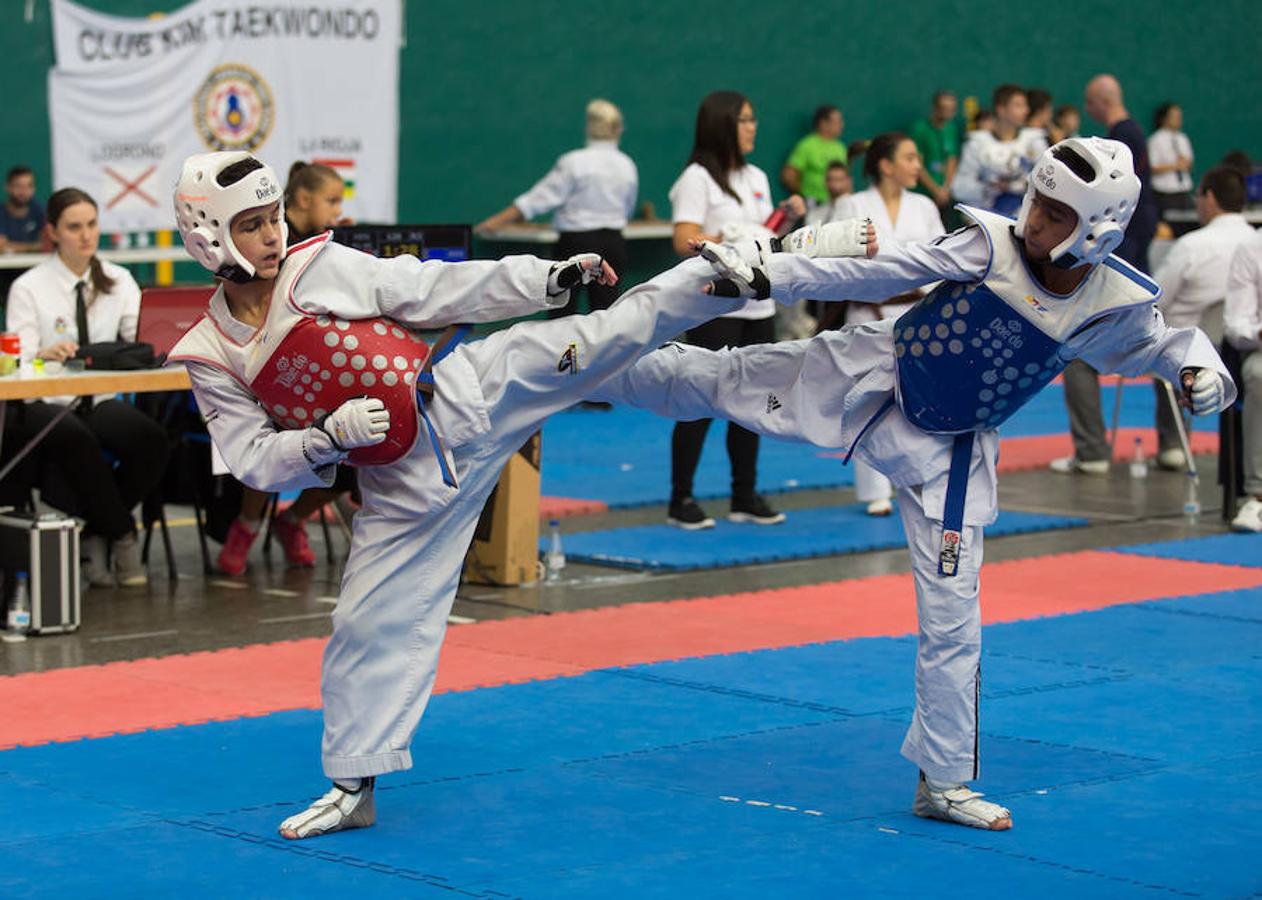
x,y
19,618
1139,460
1192,502
554,559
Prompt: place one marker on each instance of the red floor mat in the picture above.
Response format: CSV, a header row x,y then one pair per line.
x,y
88,701
560,507
1018,453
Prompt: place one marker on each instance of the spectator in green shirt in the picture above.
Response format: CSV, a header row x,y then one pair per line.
x,y
804,172
938,140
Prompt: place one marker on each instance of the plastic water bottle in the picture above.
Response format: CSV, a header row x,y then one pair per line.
x,y
1139,461
1192,502
19,620
554,559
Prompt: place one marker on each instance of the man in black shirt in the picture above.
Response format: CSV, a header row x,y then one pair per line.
x,y
1103,100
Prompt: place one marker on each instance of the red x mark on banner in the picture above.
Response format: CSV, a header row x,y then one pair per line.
x,y
131,187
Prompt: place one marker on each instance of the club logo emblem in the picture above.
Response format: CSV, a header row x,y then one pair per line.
x,y
233,109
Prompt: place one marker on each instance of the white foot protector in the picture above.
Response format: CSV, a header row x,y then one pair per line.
x,y
959,804
881,507
338,810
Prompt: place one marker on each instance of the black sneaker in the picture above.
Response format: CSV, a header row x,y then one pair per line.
x,y
688,514
753,510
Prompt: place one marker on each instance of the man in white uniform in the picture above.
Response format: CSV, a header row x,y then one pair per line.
x,y
1242,326
919,398
994,167
300,366
1193,281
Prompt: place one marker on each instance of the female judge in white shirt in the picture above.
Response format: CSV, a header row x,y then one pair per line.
x,y
892,166
46,311
721,196
1170,155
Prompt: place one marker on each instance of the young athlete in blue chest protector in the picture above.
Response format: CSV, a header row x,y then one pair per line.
x,y
919,398
308,356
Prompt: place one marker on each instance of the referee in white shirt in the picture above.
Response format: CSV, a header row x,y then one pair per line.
x,y
593,191
73,299
1242,327
1193,279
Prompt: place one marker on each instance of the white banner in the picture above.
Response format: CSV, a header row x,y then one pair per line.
x,y
130,98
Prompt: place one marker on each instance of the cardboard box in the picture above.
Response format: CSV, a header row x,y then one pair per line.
x,y
505,547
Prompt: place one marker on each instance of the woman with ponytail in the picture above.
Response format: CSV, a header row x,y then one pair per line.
x,y
892,167
75,298
313,200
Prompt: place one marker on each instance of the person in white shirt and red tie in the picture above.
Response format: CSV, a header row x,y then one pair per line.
x,y
107,455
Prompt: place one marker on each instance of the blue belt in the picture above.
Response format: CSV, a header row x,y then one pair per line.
x,y
956,494
953,513
425,385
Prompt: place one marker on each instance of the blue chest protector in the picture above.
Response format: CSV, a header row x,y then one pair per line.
x,y
968,361
971,355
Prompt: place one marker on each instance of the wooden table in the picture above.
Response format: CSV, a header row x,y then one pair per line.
x,y
120,255
28,385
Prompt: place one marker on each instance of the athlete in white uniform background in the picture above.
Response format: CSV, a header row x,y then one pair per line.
x,y
299,366
892,165
919,398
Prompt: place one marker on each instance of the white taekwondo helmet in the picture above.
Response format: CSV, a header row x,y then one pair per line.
x,y
1096,178
205,207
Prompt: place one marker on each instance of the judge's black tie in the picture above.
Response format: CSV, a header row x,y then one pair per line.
x,y
81,323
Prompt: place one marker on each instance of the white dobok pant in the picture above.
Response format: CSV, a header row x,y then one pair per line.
x,y
869,484
408,548
811,379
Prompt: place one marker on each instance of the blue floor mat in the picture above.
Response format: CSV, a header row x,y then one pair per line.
x,y
862,677
1228,549
1046,413
1163,637
807,533
1127,742
622,457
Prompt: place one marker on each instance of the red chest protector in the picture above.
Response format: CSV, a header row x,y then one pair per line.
x,y
323,361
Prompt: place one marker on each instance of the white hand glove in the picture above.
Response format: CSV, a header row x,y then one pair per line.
x,y
845,237
361,422
737,277
1205,393
583,268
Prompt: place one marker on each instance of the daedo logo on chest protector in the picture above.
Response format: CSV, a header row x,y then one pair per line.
x,y
1009,332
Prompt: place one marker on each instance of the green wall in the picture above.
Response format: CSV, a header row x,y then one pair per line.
x,y
492,91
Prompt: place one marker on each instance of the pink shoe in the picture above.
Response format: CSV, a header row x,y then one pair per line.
x,y
292,535
236,547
